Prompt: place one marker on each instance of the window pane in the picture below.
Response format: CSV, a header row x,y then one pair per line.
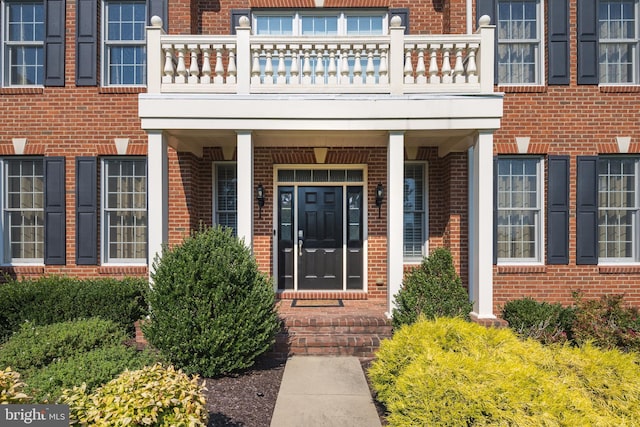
x,y
414,188
518,43
125,39
226,196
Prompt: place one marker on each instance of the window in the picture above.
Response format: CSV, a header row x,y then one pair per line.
x,y
23,211
362,23
618,44
415,203
519,210
124,215
519,42
618,209
23,49
124,43
226,196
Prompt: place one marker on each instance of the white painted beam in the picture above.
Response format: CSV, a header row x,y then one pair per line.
x,y
158,194
395,215
245,186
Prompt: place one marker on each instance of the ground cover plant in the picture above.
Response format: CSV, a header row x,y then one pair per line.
x,y
453,372
432,289
212,310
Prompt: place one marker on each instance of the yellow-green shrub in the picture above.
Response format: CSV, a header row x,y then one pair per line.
x,y
154,396
11,388
451,372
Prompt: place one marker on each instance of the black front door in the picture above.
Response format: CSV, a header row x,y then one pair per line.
x,y
320,239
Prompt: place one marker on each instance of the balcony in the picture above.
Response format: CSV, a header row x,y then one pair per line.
x,y
394,64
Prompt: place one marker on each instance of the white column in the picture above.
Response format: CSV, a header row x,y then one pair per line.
x,y
396,56
245,186
243,56
155,58
481,231
395,215
158,194
486,55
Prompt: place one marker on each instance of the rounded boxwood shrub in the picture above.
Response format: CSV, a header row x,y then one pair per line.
x,y
433,289
212,311
152,396
547,323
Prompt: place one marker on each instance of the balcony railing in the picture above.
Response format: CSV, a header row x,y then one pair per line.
x,y
393,64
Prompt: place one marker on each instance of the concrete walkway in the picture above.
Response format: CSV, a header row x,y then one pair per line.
x,y
324,391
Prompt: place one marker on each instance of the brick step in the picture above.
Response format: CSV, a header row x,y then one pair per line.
x,y
358,336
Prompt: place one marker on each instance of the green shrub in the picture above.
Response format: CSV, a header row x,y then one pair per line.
x,y
92,368
154,395
53,299
11,388
433,289
607,323
37,346
547,323
452,372
212,310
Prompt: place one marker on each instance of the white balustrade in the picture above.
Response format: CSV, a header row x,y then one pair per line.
x,y
430,63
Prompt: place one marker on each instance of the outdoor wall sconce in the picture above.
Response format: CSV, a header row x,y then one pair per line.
x,y
260,198
379,197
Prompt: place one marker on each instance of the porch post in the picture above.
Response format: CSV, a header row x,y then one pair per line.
x,y
245,186
158,192
395,215
481,230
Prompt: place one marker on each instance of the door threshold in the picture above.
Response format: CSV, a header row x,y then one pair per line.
x,y
317,303
321,295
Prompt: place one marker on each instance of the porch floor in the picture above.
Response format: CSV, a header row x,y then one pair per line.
x,y
326,327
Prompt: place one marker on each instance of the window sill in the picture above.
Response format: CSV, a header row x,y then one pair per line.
x,y
619,269
19,270
122,89
619,88
36,90
523,89
521,269
125,270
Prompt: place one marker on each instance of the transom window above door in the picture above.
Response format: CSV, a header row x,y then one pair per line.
x,y
325,23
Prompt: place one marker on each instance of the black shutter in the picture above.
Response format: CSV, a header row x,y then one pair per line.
x,y
403,13
558,211
54,42
559,42
87,43
587,211
54,211
236,14
495,210
158,8
587,42
489,7
86,211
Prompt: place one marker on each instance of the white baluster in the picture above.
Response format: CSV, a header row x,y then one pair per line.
x,y
472,68
294,78
205,79
370,70
383,71
458,69
408,66
421,69
357,66
446,63
319,79
231,67
219,78
268,66
306,65
181,69
168,64
194,70
344,65
255,66
282,68
433,64
332,70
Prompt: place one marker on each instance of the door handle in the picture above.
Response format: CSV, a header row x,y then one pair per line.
x,y
300,246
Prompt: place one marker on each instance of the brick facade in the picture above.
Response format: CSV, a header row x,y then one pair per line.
x,y
569,120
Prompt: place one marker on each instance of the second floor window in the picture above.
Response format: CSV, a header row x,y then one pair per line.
x,y
320,24
619,42
124,43
23,49
519,51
